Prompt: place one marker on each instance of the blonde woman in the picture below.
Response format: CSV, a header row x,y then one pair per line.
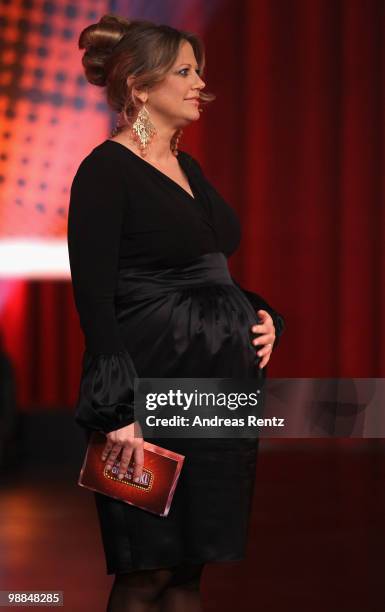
x,y
148,239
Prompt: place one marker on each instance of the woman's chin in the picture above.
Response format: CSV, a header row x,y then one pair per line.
x,y
186,120
193,115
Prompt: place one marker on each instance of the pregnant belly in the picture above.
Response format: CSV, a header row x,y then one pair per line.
x,y
200,331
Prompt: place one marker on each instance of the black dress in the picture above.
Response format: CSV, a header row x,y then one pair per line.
x,y
155,299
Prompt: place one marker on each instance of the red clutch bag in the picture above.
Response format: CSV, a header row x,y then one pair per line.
x,y
154,491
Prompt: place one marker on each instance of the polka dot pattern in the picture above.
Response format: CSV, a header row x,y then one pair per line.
x,y
50,117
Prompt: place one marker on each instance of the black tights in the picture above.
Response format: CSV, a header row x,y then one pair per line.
x,y
173,589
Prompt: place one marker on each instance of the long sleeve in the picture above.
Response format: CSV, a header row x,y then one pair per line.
x,y
97,200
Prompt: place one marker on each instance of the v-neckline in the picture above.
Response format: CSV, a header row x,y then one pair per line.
x,y
192,197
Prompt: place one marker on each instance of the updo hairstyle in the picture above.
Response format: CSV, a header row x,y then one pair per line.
x,y
122,54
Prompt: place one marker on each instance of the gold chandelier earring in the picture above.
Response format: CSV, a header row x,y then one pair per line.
x,y
143,130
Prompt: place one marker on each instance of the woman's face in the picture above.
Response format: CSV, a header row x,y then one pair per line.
x,y
174,101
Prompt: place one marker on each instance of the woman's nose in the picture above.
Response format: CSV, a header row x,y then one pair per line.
x,y
201,84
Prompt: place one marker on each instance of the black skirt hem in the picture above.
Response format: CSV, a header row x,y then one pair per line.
x,y
195,561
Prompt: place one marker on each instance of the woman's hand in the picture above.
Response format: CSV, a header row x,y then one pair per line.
x,y
129,440
267,337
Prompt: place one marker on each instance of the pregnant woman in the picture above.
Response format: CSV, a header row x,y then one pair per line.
x,y
148,240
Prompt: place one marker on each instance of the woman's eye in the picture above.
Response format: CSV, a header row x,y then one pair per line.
x,y
184,70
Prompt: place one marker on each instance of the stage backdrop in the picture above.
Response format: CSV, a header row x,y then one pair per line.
x,y
294,142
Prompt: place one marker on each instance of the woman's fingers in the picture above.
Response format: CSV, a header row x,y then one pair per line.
x,y
265,353
264,339
138,462
126,441
266,350
107,449
125,460
264,361
112,452
112,455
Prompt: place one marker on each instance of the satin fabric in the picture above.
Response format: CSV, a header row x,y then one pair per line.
x,y
194,322
187,321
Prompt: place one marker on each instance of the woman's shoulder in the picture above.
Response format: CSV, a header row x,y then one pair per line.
x,y
102,161
105,152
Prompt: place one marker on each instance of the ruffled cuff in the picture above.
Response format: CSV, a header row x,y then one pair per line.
x,y
259,303
106,395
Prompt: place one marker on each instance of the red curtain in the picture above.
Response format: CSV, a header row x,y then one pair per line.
x,y
295,144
